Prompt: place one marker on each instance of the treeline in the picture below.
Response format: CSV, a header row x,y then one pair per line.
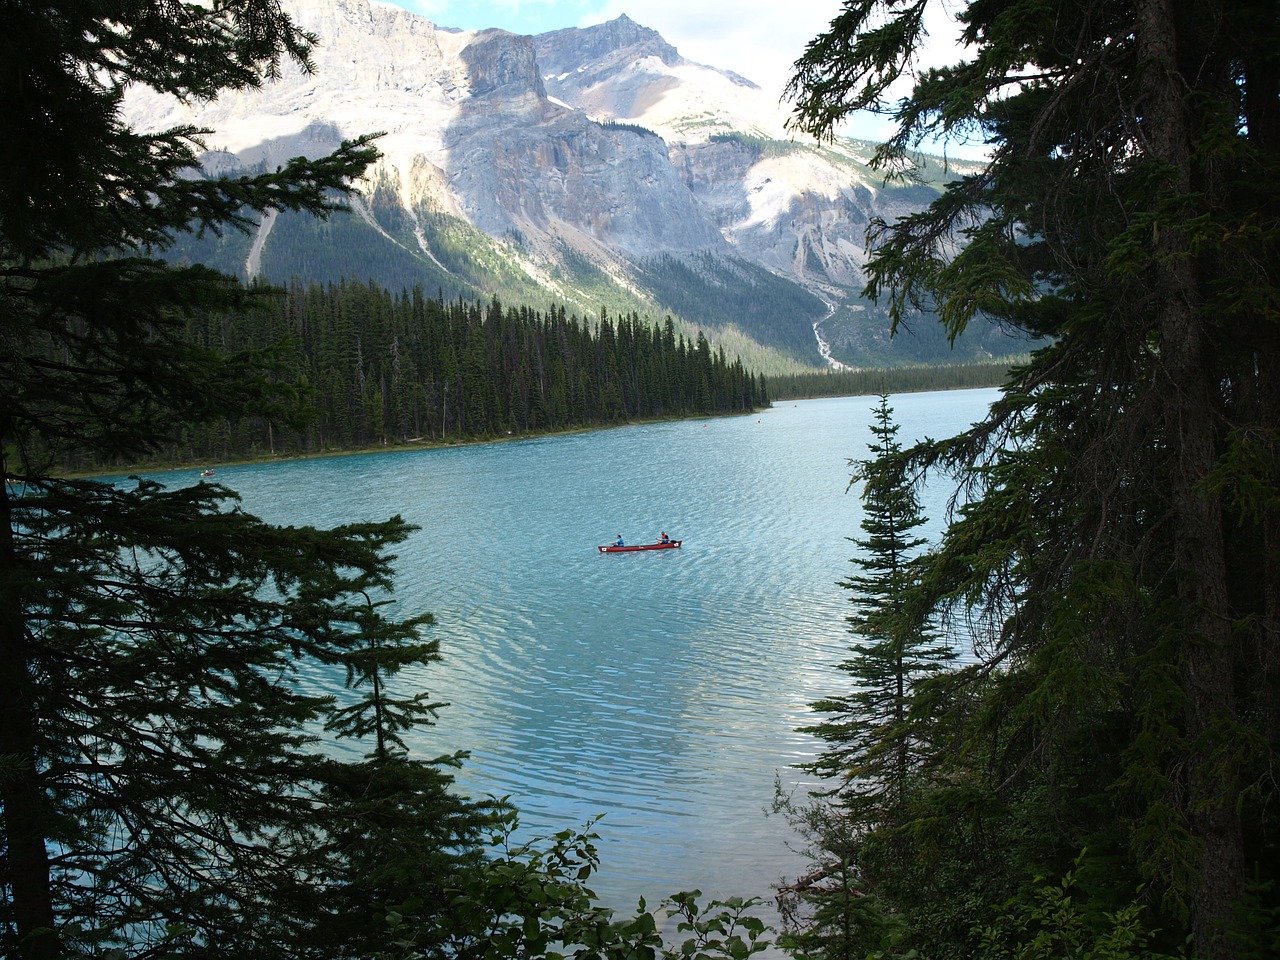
x,y
888,380
378,368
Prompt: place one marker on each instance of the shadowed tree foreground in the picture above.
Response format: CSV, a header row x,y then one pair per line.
x,y
1119,562
163,790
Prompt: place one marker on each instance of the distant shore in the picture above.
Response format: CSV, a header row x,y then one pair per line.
x,y
385,447
433,444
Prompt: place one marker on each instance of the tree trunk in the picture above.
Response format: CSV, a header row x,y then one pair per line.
x,y
1200,567
22,799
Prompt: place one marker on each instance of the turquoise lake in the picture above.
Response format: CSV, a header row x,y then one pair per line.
x,y
661,689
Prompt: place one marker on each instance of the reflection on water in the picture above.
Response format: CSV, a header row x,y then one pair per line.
x,y
661,689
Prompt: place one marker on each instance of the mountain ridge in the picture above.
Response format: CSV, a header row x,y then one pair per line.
x,y
570,165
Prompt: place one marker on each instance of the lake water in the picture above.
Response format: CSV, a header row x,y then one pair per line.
x,y
661,689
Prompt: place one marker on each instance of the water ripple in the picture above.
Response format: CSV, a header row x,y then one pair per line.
x,y
660,689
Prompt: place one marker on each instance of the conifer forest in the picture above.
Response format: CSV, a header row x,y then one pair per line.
x,y
376,369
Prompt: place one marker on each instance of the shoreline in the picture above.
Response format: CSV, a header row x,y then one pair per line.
x,y
424,444
403,447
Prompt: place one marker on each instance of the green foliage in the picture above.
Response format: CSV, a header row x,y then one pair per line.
x,y
629,128
1114,566
829,911
728,932
1049,922
875,736
762,147
530,901
168,628
76,178
869,748
910,379
372,370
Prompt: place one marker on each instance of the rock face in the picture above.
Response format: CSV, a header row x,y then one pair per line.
x,y
520,162
601,144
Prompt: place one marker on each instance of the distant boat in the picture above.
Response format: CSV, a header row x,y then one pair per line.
x,y
669,545
206,473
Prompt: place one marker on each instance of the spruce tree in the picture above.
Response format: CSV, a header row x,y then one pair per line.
x,y
868,742
869,754
1123,541
162,792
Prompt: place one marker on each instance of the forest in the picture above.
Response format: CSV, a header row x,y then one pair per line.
x,y
905,379
1055,731
1058,732
376,369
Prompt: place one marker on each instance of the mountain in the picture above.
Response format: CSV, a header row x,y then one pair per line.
x,y
595,167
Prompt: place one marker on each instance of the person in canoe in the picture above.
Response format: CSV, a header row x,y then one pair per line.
x,y
664,538
618,542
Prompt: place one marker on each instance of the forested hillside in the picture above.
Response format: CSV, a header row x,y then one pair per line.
x,y
382,369
877,380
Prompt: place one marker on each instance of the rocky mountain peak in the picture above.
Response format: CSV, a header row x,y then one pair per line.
x,y
595,151
503,64
604,45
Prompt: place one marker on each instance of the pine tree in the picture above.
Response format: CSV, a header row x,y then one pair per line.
x,y
869,753
1123,544
868,741
162,790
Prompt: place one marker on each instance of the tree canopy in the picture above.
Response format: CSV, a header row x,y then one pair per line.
x,y
379,369
1120,555
161,789
169,780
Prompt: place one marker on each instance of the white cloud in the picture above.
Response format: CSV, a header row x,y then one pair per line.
x,y
759,39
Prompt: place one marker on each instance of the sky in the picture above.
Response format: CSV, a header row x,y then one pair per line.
x,y
759,39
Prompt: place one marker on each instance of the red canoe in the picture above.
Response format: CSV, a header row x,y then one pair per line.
x,y
643,546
